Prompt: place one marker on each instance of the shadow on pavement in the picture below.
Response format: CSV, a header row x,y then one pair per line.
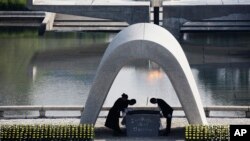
x,y
103,133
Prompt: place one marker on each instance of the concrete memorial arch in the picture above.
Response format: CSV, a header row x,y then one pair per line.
x,y
152,42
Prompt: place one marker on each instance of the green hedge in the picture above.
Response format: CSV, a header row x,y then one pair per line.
x,y
207,132
47,132
13,4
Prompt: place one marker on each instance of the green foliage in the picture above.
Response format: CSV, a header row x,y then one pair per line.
x,y
17,32
13,4
81,132
207,132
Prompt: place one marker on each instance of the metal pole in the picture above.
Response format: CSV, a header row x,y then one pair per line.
x,y
156,15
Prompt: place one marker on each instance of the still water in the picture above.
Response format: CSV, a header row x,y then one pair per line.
x,y
59,68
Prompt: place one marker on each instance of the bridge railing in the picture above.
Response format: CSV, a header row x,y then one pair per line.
x,y
43,109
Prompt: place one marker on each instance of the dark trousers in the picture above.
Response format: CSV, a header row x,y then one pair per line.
x,y
168,126
168,122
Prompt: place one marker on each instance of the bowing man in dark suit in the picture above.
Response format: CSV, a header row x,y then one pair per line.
x,y
112,120
167,111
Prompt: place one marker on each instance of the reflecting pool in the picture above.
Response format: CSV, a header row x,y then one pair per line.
x,y
59,68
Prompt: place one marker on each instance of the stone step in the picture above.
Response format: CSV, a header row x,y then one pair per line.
x,y
21,20
20,24
197,29
22,13
216,26
72,18
90,24
64,22
99,28
21,16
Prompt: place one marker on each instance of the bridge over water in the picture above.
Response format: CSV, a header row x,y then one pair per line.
x,y
177,15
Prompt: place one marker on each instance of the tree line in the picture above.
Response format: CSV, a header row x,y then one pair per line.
x,y
13,5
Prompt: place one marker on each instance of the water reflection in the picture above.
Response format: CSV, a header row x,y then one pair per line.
x,y
18,50
63,81
222,62
59,69
142,80
229,85
217,48
154,75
